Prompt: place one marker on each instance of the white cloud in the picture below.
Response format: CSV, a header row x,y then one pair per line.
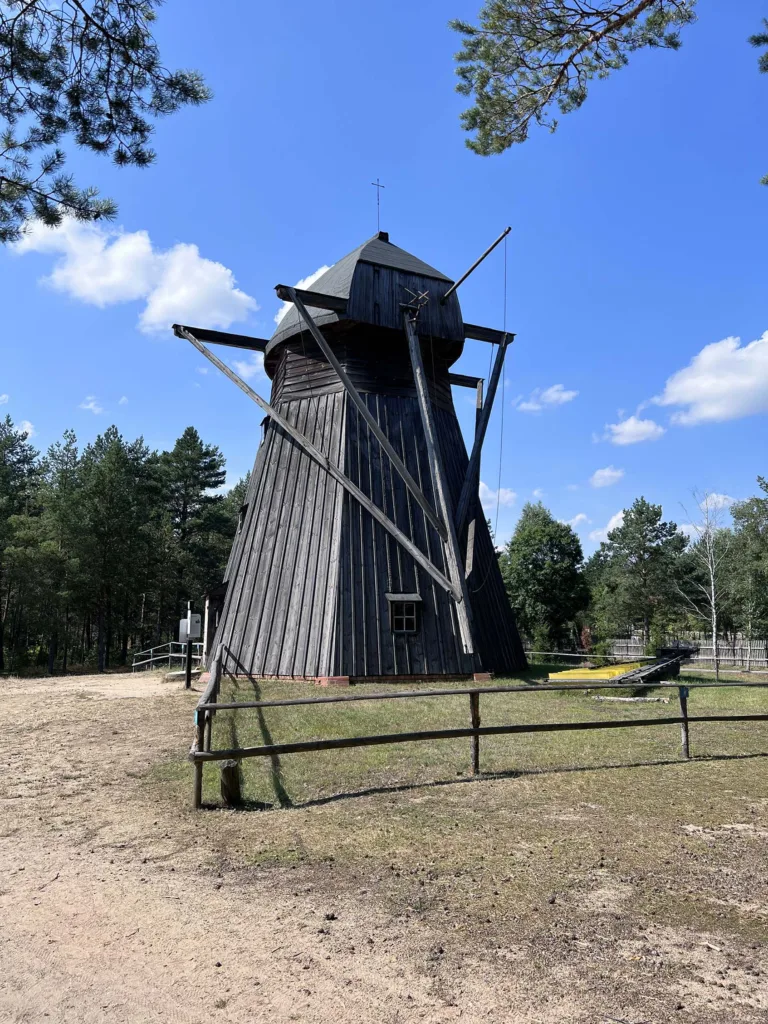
x,y
606,477
689,530
633,430
538,493
196,289
540,399
123,401
724,381
25,427
251,367
578,519
203,370
613,523
488,497
719,500
90,403
101,267
305,282
4,399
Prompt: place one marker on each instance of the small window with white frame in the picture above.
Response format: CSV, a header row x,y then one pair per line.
x,y
404,612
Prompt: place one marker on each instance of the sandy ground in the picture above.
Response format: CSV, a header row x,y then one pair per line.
x,y
115,904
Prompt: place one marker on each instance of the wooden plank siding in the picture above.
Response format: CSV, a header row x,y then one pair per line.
x,y
310,568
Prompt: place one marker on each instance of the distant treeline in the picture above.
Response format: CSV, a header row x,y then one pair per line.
x,y
649,577
102,546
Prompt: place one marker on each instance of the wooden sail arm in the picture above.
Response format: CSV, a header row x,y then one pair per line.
x,y
292,295
488,334
224,338
315,299
471,477
452,552
469,560
381,517
462,380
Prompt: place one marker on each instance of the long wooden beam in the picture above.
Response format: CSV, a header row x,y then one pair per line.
x,y
362,408
451,546
461,380
322,460
315,299
474,266
486,334
224,338
470,479
469,561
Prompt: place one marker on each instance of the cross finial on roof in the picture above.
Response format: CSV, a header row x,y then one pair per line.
x,y
378,188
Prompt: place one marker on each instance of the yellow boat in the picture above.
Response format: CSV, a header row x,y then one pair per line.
x,y
597,674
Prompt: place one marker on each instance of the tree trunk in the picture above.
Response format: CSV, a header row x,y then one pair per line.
x,y
53,646
100,659
3,617
108,644
66,642
715,652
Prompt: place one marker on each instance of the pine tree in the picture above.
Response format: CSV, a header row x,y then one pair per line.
x,y
527,59
191,471
636,571
18,476
90,70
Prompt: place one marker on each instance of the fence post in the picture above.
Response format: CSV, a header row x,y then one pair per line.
x,y
197,788
682,692
474,709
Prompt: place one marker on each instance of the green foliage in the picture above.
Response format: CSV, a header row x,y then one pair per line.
x,y
526,59
89,70
761,39
541,567
635,574
749,572
101,549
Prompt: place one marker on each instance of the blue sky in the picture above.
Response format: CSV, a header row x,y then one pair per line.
x,y
639,239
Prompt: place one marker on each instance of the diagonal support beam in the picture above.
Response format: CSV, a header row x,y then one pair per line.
x,y
470,559
451,547
322,460
291,295
470,480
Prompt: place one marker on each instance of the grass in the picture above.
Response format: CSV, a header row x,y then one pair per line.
x,y
589,853
299,779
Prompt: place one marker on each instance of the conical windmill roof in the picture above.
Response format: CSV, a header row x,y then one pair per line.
x,y
337,281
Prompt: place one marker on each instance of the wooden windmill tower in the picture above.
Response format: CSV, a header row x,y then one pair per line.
x,y
362,550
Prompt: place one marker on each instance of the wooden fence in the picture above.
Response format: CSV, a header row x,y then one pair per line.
x,y
201,752
734,653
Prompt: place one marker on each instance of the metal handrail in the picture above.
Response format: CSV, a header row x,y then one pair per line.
x,y
168,655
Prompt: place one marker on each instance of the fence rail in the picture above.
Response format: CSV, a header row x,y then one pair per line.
x,y
201,753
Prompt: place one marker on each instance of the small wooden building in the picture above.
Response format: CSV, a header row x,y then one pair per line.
x,y
318,585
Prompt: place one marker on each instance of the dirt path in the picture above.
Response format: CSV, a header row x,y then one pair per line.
x,y
116,904
110,912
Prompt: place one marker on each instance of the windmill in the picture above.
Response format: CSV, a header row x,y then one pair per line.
x,y
362,551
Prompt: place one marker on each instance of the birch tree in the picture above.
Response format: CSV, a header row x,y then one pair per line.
x,y
706,587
